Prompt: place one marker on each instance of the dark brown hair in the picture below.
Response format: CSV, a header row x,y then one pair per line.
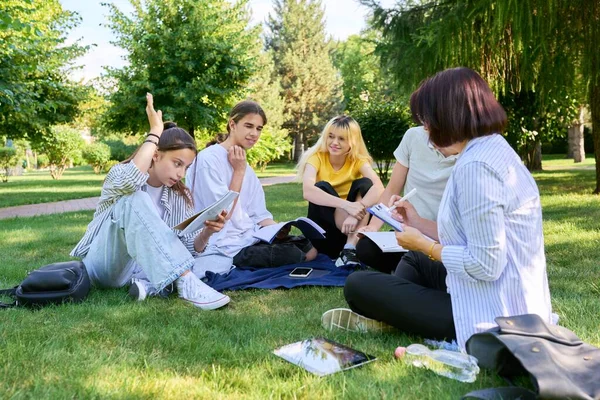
x,y
456,105
174,138
239,111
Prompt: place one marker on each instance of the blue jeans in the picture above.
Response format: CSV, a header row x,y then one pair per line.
x,y
134,236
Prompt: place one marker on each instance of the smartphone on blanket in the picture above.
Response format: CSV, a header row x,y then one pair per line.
x,y
301,272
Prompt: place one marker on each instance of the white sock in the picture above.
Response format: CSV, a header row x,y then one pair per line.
x,y
349,246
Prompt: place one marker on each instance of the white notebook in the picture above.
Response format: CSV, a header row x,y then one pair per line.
x,y
386,241
196,221
308,227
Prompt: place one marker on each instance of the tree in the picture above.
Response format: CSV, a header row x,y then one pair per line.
x,y
61,146
382,126
311,87
543,47
194,56
362,73
35,60
8,159
265,88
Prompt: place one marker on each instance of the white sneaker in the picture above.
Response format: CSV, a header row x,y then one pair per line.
x,y
347,320
140,289
198,293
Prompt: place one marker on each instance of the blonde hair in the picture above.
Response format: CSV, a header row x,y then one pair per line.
x,y
351,129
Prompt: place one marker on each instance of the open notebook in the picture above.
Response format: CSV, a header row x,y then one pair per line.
x,y
196,221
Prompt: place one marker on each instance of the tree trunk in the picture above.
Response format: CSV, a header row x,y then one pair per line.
x,y
191,131
298,146
537,157
576,149
595,111
532,156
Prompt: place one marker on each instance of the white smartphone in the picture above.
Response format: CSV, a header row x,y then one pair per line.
x,y
301,272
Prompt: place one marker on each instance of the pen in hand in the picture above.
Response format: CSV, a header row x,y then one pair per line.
x,y
404,198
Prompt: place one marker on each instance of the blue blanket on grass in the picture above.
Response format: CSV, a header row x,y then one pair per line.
x,y
324,273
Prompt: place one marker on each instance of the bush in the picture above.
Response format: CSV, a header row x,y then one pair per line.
x,y
42,161
383,125
8,160
108,165
272,145
119,150
61,146
97,155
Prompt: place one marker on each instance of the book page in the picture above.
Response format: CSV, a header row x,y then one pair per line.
x,y
309,228
386,241
196,222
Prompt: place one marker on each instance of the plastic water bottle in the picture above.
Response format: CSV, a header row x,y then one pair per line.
x,y
451,364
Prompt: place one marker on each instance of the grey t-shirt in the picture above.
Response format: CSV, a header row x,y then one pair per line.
x,y
428,171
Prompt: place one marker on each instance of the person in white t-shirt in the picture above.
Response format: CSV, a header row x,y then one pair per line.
x,y
223,167
419,165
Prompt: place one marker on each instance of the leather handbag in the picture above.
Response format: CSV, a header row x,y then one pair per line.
x,y
51,284
559,364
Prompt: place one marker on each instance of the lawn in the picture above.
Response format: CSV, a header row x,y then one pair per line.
x,y
77,183
112,347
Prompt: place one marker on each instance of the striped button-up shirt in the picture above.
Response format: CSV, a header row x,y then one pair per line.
x,y
490,224
124,179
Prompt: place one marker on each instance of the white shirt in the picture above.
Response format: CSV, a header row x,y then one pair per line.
x,y
209,178
490,223
428,171
155,194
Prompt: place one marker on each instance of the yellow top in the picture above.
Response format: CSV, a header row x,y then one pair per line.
x,y
342,179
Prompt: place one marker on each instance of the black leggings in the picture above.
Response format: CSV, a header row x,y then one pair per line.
x,y
324,216
413,299
370,254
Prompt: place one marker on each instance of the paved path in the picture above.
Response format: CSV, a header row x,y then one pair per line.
x,y
90,203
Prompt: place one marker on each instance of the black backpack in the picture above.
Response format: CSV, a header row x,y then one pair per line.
x,y
57,283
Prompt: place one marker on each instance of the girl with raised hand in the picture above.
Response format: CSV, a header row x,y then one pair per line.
x,y
339,183
222,167
141,198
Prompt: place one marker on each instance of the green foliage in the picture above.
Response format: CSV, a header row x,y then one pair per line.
x,y
8,160
35,60
97,154
547,47
363,75
119,150
311,86
61,146
265,88
271,146
108,165
195,57
42,161
382,125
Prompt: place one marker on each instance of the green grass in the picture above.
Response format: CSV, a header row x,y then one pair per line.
x,y
111,347
78,183
39,187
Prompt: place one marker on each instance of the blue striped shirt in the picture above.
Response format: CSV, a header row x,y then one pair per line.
x,y
124,179
490,224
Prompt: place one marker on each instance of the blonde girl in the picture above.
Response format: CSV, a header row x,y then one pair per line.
x,y
339,183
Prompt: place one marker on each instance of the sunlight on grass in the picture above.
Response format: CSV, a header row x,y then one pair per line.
x,y
112,347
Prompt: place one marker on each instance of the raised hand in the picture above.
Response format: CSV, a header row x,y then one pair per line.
x,y
154,117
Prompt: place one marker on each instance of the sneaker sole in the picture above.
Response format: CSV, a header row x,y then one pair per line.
x,y
347,320
340,263
137,292
213,305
